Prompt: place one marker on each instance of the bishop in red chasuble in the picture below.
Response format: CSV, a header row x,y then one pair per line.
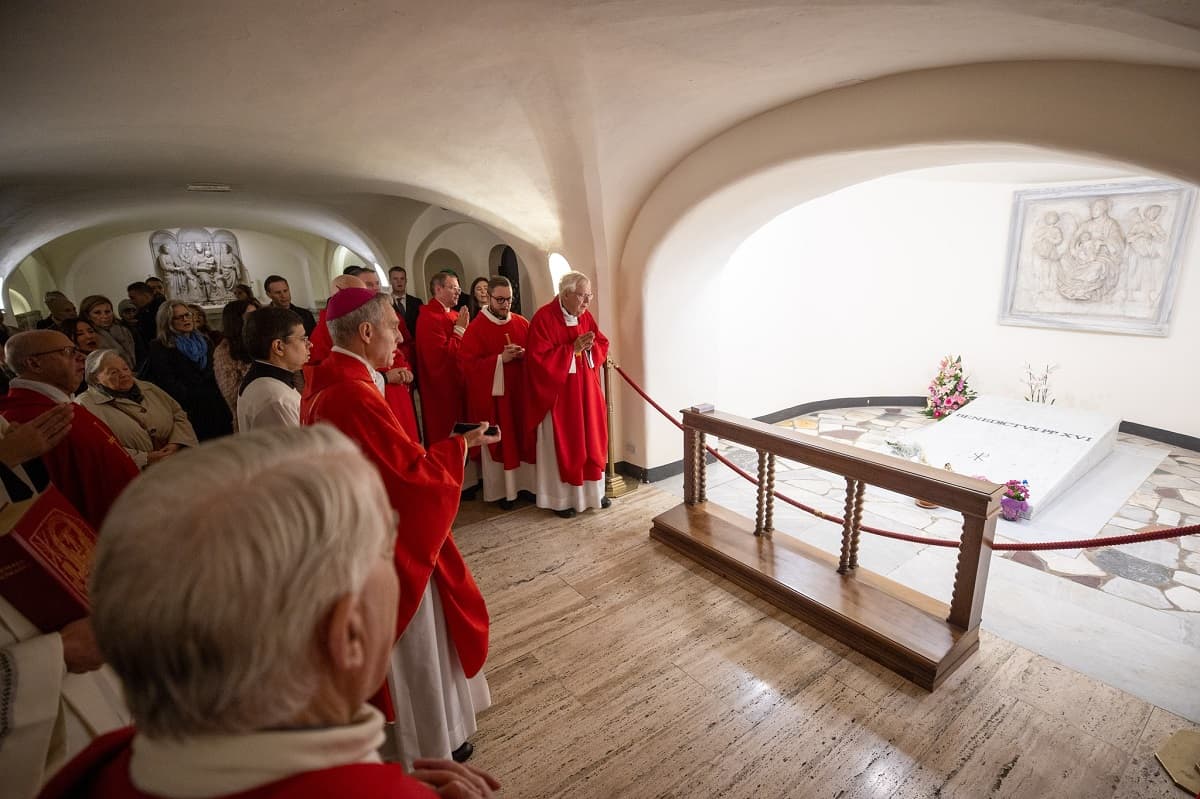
x,y
436,670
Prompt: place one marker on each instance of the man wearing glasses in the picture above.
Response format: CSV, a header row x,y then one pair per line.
x,y
267,397
565,353
493,364
89,466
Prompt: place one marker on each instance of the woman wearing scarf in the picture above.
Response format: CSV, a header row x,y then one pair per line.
x,y
149,424
180,363
113,335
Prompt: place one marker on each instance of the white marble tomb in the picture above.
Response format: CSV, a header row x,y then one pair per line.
x,y
1004,439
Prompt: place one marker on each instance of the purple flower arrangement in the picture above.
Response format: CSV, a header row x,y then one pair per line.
x,y
948,391
1015,502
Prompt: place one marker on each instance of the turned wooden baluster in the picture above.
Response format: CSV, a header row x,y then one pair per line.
x,y
769,520
851,517
701,467
760,510
691,482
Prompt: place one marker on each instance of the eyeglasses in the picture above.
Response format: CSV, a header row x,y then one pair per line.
x,y
305,339
585,297
502,300
181,317
70,352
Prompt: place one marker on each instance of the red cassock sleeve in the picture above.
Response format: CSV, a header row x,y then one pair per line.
x,y
399,397
442,401
576,400
424,488
89,466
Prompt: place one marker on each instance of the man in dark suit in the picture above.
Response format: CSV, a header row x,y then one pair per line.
x,y
407,306
280,292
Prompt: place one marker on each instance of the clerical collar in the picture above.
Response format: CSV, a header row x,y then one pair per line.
x,y
219,765
45,389
264,369
492,317
568,317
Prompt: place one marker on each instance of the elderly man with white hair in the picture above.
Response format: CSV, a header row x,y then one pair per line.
x,y
564,354
251,687
436,679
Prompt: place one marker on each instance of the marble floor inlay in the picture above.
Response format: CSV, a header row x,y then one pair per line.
x,y
619,668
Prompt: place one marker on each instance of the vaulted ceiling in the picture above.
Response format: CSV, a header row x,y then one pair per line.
x,y
551,120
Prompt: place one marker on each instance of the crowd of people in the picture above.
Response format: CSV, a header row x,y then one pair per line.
x,y
406,405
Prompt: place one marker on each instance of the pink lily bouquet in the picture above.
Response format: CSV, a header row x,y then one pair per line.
x,y
948,391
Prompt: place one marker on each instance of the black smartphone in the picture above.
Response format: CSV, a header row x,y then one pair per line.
x,y
465,427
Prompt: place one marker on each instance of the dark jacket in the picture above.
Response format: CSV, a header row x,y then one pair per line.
x,y
193,387
412,309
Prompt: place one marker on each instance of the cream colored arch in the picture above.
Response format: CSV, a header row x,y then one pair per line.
x,y
1143,118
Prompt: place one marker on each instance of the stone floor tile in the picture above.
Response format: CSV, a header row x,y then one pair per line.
x,y
1184,598
1187,578
1117,562
1137,592
1076,566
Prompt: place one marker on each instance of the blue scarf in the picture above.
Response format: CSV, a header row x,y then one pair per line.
x,y
194,346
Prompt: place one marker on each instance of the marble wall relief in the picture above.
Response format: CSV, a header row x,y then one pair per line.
x,y
198,265
1102,257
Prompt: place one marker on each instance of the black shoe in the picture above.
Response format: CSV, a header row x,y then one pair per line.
x,y
505,504
469,494
463,753
567,513
605,502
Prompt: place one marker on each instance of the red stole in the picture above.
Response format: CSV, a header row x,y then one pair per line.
x,y
424,487
89,466
102,770
481,345
575,401
440,376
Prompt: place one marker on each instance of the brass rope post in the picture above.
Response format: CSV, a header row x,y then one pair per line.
x,y
615,485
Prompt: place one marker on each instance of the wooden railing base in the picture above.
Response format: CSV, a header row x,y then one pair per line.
x,y
888,622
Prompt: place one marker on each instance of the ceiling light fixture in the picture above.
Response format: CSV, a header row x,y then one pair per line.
x,y
209,187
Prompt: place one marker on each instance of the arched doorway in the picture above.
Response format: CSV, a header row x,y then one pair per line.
x,y
503,261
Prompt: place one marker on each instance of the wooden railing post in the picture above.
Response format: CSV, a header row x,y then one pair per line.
x,y
769,517
691,442
760,508
970,576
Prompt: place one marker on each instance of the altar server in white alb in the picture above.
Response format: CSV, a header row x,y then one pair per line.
x,y
54,694
267,397
564,354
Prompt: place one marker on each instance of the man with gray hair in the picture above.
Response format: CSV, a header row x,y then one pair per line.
x,y
565,352
436,678
226,698
90,467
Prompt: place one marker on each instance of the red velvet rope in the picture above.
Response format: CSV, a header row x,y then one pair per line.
x,y
1089,543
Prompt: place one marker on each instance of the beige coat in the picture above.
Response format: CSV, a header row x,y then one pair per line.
x,y
143,428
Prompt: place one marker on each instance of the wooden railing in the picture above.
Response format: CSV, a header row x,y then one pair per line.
x,y
913,634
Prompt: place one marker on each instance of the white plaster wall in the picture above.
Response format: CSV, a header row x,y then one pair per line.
x,y
862,291
108,266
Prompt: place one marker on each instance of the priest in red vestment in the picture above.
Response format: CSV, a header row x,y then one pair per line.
x,y
440,329
564,354
90,467
276,707
436,681
493,364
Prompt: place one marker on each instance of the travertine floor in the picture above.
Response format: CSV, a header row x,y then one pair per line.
x,y
619,668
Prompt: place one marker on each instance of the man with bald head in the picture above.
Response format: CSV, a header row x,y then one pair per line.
x,y
89,466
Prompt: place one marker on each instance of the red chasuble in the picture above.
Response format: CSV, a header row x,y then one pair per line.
x,y
89,466
575,401
440,376
102,770
399,396
424,488
481,346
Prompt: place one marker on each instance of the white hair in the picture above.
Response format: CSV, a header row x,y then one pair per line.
x,y
94,365
216,569
570,281
344,329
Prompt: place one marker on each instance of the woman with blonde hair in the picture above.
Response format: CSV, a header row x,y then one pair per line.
x,y
180,363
